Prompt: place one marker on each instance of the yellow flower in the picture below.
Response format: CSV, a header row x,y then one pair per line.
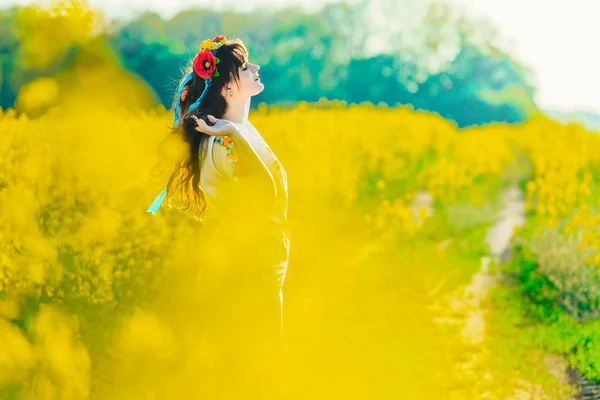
x,y
423,213
541,209
530,186
207,45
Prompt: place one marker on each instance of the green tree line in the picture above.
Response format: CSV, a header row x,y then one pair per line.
x,y
429,56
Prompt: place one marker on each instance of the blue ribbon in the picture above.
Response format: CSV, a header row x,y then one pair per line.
x,y
157,201
161,196
179,91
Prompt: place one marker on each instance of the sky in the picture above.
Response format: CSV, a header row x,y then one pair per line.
x,y
555,38
558,40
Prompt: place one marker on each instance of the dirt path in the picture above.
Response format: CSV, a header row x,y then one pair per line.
x,y
465,312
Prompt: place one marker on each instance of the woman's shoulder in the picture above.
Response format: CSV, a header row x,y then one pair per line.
x,y
224,155
226,140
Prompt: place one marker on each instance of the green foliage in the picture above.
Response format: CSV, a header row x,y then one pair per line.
x,y
552,272
307,56
541,325
534,286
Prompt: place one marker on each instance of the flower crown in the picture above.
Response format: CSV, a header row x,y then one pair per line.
x,y
205,62
205,66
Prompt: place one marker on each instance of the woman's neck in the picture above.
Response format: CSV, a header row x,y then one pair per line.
x,y
237,111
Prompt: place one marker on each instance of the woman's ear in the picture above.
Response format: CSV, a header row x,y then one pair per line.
x,y
226,92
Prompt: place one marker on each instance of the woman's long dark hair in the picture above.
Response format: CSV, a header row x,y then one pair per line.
x,y
186,175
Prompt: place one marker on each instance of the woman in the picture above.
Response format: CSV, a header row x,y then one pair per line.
x,y
238,188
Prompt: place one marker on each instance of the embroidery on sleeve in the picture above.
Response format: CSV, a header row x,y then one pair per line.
x,y
232,155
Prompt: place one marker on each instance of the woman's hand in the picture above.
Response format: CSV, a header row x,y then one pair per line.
x,y
220,127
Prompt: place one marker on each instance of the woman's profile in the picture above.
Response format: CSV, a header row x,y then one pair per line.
x,y
236,185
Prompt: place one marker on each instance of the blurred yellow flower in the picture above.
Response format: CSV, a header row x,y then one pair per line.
x,y
208,44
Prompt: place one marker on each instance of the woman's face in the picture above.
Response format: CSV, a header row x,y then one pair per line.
x,y
250,84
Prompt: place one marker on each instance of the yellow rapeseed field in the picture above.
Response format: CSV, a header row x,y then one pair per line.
x,y
85,265
98,299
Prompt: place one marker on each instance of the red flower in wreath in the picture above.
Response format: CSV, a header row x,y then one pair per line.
x,y
219,38
205,64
